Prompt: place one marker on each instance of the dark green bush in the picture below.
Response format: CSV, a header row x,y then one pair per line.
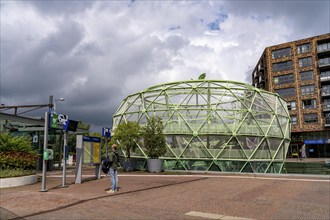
x,y
16,153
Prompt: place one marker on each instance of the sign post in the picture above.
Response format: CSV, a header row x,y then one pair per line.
x,y
64,159
106,132
44,164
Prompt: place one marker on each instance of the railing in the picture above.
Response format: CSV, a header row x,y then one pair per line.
x,y
323,47
324,62
326,106
325,76
327,122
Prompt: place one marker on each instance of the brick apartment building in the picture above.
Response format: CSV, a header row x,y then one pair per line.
x,y
299,72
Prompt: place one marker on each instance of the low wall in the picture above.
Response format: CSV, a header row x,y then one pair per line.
x,y
18,181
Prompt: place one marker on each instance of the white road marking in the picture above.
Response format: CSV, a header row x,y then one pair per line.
x,y
215,216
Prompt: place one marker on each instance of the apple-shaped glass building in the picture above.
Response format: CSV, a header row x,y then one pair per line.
x,y
213,125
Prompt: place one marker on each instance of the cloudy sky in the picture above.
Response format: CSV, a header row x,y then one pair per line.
x,y
95,53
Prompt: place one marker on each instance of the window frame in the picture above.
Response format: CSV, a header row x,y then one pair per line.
x,y
312,105
306,78
290,105
282,79
280,53
305,62
309,119
282,66
303,90
294,122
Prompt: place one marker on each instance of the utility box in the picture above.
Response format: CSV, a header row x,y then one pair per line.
x,y
48,154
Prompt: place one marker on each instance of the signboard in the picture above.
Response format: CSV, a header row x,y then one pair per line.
x,y
92,150
70,125
53,122
106,132
320,141
35,139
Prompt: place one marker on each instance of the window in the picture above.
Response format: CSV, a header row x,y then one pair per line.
x,y
307,75
310,118
292,106
309,103
286,92
286,52
278,80
304,48
294,120
323,47
307,90
303,62
324,61
282,66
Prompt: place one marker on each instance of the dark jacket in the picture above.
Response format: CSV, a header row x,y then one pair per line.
x,y
114,159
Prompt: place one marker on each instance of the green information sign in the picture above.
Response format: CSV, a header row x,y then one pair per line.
x,y
53,121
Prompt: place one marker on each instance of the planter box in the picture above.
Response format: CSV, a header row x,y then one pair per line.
x,y
129,164
155,165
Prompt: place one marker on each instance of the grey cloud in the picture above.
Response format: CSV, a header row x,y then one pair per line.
x,y
60,7
306,18
43,68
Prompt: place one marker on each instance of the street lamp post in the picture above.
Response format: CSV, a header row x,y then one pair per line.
x,y
57,100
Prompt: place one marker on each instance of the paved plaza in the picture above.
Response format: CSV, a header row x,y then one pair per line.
x,y
148,196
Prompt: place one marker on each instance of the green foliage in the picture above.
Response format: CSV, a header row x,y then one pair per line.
x,y
83,126
11,143
18,160
16,153
128,135
154,138
15,173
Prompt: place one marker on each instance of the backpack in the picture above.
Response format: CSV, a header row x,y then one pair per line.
x,y
106,165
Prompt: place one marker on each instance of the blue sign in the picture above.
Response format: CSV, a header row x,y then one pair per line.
x,y
320,141
106,132
91,139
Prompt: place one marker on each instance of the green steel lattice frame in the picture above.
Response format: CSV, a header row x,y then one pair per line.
x,y
213,125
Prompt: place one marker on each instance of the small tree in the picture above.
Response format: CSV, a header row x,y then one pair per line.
x,y
127,134
154,138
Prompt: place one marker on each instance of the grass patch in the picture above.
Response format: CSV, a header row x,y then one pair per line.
x,y
7,173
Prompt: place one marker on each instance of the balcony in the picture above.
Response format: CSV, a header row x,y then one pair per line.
x,y
327,122
325,91
326,106
324,62
325,76
323,48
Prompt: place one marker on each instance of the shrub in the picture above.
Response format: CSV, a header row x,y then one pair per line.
x,y
154,138
16,153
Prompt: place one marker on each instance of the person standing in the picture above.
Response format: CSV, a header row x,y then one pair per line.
x,y
114,161
303,152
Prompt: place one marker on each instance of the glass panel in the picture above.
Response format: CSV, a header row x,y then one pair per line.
x,y
196,149
282,66
232,151
285,52
231,166
263,151
248,168
259,166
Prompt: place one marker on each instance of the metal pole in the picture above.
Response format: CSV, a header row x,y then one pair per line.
x,y
64,159
106,146
44,164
